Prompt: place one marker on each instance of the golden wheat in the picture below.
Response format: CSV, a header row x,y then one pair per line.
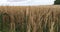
x,y
30,18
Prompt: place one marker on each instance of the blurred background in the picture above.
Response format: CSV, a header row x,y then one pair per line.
x,y
26,2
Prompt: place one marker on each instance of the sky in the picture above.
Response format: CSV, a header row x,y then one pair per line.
x,y
26,2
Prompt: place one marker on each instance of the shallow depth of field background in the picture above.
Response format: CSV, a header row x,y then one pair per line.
x,y
30,18
26,2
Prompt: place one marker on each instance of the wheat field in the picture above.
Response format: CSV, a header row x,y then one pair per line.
x,y
30,18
